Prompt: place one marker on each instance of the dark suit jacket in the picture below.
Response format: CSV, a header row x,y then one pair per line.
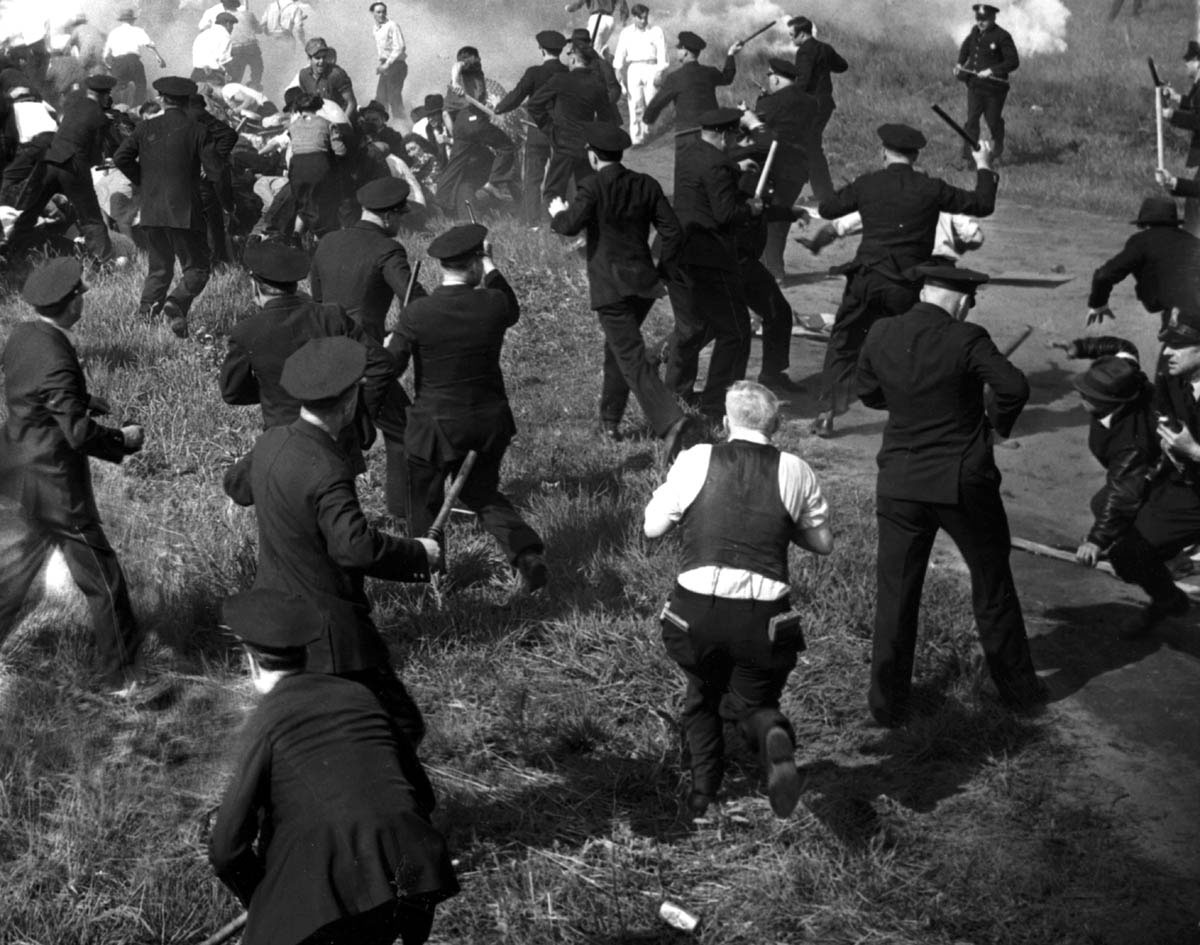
x,y
531,80
1165,264
693,89
313,540
362,269
815,61
566,102
617,207
164,156
709,205
1128,450
1187,116
453,338
48,436
340,806
82,135
927,370
261,342
900,208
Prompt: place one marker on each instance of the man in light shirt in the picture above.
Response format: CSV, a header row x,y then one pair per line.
x,y
393,65
123,54
212,50
642,51
740,505
244,51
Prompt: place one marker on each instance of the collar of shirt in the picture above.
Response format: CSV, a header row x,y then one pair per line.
x,y
750,436
1107,420
1195,385
55,325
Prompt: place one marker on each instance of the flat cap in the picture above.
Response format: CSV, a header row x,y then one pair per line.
x,y
719,118
175,86
691,42
552,40
375,106
984,10
127,14
950,277
100,83
383,193
1192,51
53,281
900,137
271,620
1182,329
275,262
783,67
605,136
324,368
581,35
1111,381
314,46
458,241
1157,211
224,18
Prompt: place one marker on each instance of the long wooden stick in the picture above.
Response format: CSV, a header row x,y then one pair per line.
x,y
766,169
412,281
1158,126
1013,345
437,529
756,33
956,127
227,931
1049,551
478,104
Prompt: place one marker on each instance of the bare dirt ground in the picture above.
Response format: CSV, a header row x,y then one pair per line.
x,y
1132,710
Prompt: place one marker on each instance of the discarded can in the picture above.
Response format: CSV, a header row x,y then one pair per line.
x,y
678,917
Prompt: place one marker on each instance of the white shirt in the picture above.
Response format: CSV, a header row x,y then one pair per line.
x,y
126,40
798,489
638,45
209,17
211,49
389,42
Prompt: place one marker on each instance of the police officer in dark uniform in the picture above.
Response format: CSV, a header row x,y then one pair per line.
x,y
45,478
362,268
164,156
313,539
82,140
599,64
692,87
561,108
224,140
706,289
617,207
928,368
1183,111
536,152
324,830
899,207
985,60
453,338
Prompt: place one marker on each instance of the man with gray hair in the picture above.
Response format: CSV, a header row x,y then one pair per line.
x,y
728,623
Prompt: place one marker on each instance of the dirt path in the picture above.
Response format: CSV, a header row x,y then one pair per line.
x,y
1132,709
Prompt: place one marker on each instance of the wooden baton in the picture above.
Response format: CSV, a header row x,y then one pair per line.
x,y
437,529
957,128
766,170
227,931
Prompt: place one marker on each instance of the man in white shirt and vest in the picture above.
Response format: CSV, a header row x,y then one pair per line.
x,y
642,51
728,623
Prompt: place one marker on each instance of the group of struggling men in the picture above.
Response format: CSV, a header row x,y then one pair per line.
x,y
346,851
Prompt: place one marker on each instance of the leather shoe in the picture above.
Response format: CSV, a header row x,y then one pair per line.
x,y
698,803
824,235
780,383
611,432
1153,615
822,426
176,320
532,568
783,780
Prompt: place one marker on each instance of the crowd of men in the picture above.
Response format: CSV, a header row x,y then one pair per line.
x,y
325,832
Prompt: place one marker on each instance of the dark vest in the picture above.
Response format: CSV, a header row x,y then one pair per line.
x,y
739,520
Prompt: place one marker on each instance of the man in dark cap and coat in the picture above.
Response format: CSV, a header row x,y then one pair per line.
x,y
692,87
986,58
324,831
816,62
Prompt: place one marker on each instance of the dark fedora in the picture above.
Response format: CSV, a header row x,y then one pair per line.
x,y
1111,381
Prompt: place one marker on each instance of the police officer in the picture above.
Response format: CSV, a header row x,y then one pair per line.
x,y
453,339
899,207
313,539
165,157
224,140
985,60
1183,111
82,140
45,445
692,87
537,145
928,367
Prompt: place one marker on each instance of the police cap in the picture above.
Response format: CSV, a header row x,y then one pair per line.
x,y
100,83
1192,51
783,67
383,193
901,137
605,136
324,368
552,40
53,282
271,620
458,242
275,262
719,118
691,42
1157,211
175,86
1182,329
985,11
945,276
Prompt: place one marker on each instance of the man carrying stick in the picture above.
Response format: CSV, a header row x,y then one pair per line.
x,y
1184,112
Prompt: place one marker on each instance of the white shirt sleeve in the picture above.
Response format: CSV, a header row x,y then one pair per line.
x,y
684,481
801,493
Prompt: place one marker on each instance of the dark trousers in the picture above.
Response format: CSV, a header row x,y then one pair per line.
x,y
128,69
986,103
379,926
566,165
764,297
217,232
1167,522
734,672
533,174
789,179
165,245
389,90
24,547
709,305
979,528
818,164
487,155
21,174
315,191
626,367
73,181
869,296
243,57
391,421
481,494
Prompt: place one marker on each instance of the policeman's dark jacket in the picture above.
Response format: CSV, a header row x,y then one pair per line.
x,y
815,61
313,539
340,806
738,520
709,205
224,138
49,434
693,89
617,207
261,342
1165,264
1173,398
791,114
164,157
566,103
362,269
993,49
82,137
531,80
453,338
900,207
1187,116
934,369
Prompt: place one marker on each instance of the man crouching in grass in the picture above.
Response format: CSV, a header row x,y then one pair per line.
x,y
728,624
